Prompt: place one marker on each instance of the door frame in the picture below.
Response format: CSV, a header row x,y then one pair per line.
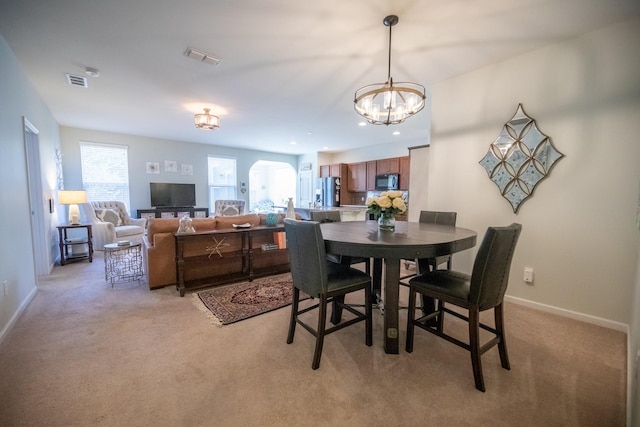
x,y
36,199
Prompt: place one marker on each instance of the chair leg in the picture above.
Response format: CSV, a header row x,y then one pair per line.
x,y
411,313
336,309
498,314
322,321
367,312
474,344
440,318
294,315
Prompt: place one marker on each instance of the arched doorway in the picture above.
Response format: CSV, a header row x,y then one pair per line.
x,y
271,184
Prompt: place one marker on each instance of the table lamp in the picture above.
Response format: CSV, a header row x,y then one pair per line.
x,y
72,198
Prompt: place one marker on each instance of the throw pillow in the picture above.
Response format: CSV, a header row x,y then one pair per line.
x,y
230,210
109,215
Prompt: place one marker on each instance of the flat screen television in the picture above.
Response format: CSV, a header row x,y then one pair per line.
x,y
165,195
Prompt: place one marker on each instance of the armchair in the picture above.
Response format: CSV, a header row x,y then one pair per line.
x,y
111,222
229,207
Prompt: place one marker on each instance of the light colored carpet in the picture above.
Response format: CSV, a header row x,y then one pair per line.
x,y
84,353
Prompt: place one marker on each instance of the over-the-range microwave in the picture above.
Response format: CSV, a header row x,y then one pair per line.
x,y
388,181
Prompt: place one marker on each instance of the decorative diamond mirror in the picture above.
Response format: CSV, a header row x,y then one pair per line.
x,y
519,158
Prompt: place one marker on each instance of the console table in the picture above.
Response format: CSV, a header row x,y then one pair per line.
x,y
223,256
65,243
173,212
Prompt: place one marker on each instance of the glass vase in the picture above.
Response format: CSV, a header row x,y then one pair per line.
x,y
386,222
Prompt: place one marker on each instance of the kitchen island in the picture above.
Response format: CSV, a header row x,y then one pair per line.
x,y
347,212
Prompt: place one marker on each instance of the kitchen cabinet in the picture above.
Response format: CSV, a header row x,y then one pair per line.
x,y
391,165
371,175
357,177
336,169
339,169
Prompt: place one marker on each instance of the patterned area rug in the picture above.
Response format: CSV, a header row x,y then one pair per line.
x,y
239,301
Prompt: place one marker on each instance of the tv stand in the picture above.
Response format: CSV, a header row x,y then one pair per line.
x,y
173,212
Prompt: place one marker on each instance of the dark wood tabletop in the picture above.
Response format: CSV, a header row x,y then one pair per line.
x,y
410,240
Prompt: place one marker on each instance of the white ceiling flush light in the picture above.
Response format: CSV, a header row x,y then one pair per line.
x,y
201,56
389,103
207,121
362,124
92,72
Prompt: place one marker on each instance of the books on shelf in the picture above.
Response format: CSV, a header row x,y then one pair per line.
x,y
270,247
280,238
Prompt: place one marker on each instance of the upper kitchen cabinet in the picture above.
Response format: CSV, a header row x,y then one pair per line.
x,y
357,178
372,170
337,169
388,166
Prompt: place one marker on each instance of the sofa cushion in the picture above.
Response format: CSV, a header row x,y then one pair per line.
x,y
109,215
128,230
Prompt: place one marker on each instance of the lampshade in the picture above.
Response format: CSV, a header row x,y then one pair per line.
x,y
207,121
72,198
389,103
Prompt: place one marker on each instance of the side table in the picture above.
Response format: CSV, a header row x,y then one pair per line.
x,y
65,243
122,262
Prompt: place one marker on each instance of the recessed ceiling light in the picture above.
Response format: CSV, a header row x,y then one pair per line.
x,y
293,143
396,132
362,124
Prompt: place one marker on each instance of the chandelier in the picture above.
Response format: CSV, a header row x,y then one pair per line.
x,y
207,121
389,103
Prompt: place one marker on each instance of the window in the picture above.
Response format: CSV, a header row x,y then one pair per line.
x,y
222,180
105,172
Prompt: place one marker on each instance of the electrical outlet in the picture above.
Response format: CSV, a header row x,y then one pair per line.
x,y
528,275
5,288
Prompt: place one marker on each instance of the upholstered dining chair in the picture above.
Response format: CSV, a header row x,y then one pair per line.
x,y
334,216
425,264
481,291
422,265
319,278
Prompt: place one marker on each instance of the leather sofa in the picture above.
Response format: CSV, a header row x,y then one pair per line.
x,y
159,247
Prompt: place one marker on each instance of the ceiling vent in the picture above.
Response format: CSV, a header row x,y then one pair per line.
x,y
201,56
79,81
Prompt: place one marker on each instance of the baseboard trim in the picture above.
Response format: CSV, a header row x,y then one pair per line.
x,y
610,324
17,314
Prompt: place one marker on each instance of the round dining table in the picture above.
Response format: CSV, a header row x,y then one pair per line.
x,y
410,240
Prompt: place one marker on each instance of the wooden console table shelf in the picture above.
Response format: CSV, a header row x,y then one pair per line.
x,y
224,256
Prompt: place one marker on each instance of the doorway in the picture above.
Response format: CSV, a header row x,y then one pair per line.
x,y
34,182
271,184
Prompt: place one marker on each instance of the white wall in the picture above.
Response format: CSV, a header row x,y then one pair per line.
x,y
18,99
579,230
144,149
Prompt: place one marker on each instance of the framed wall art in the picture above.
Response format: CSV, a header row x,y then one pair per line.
x,y
519,158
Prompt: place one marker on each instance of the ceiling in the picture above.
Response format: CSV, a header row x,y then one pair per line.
x,y
289,68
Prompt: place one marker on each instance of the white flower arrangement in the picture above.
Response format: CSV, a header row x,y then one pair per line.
x,y
389,202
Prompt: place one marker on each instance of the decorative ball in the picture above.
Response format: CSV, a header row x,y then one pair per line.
x,y
271,219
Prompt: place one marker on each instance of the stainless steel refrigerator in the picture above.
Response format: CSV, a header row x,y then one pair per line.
x,y
329,190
